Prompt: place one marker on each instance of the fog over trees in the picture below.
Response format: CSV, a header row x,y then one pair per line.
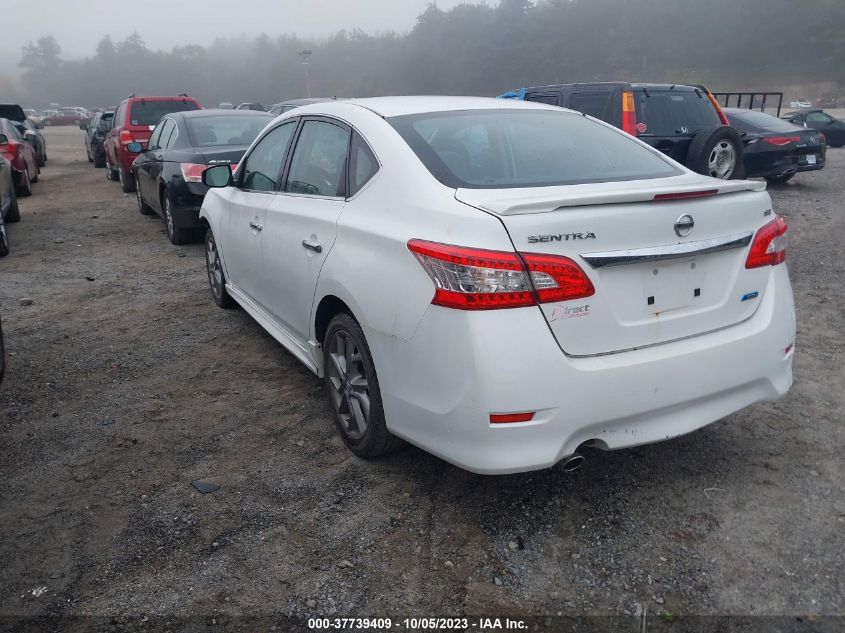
x,y
471,49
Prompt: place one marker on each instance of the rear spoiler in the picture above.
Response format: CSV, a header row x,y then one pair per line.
x,y
523,201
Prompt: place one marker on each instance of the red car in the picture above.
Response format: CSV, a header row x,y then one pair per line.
x,y
65,116
21,154
134,120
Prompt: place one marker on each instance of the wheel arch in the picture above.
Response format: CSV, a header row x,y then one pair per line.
x,y
329,306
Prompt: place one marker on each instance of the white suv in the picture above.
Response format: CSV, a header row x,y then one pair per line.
x,y
501,282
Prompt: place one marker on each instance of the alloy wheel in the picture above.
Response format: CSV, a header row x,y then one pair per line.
x,y
168,217
213,266
350,389
722,160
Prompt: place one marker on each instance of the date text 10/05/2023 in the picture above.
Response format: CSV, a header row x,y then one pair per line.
x,y
418,624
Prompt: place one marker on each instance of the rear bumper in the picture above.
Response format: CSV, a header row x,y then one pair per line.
x,y
187,200
440,387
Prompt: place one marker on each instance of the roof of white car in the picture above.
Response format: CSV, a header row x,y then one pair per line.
x,y
399,106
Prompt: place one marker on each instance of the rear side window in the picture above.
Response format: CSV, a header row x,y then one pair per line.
x,y
489,149
596,104
674,112
363,165
756,121
149,112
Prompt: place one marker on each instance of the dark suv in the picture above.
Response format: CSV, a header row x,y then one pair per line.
x,y
96,129
134,121
684,122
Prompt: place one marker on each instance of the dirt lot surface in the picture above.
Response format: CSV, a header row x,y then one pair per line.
x,y
125,383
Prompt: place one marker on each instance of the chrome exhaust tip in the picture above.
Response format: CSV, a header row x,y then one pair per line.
x,y
573,462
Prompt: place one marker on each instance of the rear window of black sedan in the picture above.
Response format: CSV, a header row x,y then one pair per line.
x,y
213,131
498,149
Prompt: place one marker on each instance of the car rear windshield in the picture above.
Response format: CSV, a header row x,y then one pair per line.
x,y
211,131
149,112
491,149
752,121
674,112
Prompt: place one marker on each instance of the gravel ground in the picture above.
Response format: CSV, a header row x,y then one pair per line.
x,y
125,383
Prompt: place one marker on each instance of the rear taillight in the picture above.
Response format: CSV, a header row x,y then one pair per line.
x,y
629,114
125,137
780,140
769,245
476,279
192,172
822,138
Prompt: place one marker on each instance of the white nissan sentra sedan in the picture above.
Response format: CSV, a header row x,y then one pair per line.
x,y
501,282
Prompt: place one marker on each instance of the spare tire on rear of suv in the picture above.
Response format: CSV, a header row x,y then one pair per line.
x,y
716,152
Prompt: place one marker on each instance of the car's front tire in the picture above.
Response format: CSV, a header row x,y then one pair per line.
x,y
25,186
352,389
216,276
127,184
14,212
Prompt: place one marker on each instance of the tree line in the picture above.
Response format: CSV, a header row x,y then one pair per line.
x,y
472,49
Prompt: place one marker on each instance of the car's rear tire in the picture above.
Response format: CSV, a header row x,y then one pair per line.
x,y
780,179
352,389
14,212
4,239
716,152
175,233
143,207
25,185
111,174
216,276
127,184
99,162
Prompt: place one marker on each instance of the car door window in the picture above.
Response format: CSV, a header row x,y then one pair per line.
x,y
262,168
318,166
363,165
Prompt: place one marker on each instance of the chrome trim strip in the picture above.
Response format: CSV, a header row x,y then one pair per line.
x,y
670,251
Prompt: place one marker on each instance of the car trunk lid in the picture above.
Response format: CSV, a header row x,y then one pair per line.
x,y
653,283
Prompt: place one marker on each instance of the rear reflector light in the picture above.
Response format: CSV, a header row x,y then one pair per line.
x,y
769,245
192,172
684,195
780,140
510,418
125,137
629,114
476,279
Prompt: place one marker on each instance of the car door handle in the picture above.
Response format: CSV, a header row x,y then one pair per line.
x,y
312,246
256,225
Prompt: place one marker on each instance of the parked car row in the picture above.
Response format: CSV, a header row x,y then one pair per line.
x,y
689,125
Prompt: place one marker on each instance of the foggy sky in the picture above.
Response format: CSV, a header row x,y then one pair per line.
x,y
78,25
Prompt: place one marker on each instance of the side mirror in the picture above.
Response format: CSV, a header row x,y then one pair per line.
x,y
217,176
135,147
83,124
103,127
39,126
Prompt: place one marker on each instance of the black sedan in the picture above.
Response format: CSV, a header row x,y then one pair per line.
x,y
776,149
168,173
95,134
9,211
831,127
29,130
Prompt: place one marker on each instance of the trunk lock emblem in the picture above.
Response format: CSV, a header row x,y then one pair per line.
x,y
683,225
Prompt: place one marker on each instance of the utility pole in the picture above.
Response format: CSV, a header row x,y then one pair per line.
x,y
305,56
